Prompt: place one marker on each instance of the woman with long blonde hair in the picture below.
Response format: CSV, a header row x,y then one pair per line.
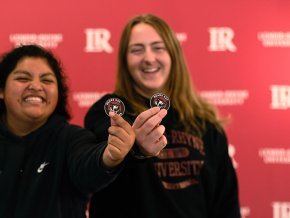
x,y
192,176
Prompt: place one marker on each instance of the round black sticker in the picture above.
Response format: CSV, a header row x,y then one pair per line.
x,y
115,105
160,100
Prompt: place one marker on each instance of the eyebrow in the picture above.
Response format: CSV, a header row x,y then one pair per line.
x,y
29,73
157,42
141,44
21,72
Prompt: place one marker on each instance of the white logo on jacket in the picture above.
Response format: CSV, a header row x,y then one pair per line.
x,y
41,167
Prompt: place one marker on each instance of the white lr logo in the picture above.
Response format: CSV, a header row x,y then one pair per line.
x,y
280,97
281,209
221,39
98,40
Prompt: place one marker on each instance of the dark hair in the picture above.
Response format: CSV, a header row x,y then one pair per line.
x,y
9,61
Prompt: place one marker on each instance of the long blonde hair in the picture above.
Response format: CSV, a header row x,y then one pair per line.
x,y
192,110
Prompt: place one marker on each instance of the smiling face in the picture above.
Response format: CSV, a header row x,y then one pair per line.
x,y
30,94
148,60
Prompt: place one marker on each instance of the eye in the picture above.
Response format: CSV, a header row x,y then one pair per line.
x,y
159,48
136,50
48,81
22,79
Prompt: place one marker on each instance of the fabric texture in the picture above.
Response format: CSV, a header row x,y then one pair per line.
x,y
50,172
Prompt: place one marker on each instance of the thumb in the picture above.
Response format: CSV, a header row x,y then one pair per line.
x,y
111,115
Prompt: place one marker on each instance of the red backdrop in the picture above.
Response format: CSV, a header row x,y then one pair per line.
x,y
238,53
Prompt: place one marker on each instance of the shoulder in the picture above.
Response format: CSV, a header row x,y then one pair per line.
x,y
215,138
97,107
73,128
75,133
58,125
212,129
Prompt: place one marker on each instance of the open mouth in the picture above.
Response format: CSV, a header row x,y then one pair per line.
x,y
34,99
151,70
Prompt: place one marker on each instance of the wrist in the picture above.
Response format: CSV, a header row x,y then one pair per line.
x,y
137,153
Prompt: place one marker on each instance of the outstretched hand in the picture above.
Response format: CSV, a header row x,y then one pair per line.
x,y
120,141
149,134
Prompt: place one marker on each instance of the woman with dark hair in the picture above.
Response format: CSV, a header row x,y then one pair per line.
x,y
49,167
10,60
193,176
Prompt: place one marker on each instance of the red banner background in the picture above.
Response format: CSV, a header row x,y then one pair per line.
x,y
238,53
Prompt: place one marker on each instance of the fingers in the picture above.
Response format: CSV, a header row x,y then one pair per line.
x,y
144,116
120,133
160,144
156,133
120,141
116,151
147,132
148,120
153,143
117,120
151,137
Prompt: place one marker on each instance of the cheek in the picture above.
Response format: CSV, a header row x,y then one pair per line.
x,y
168,61
52,95
168,67
132,70
13,92
132,62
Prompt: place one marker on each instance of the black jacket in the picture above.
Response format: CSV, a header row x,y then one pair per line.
x,y
49,173
191,177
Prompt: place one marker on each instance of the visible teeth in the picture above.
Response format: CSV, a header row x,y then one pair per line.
x,y
33,99
150,70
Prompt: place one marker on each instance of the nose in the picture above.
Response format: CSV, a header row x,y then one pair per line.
x,y
149,55
35,86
